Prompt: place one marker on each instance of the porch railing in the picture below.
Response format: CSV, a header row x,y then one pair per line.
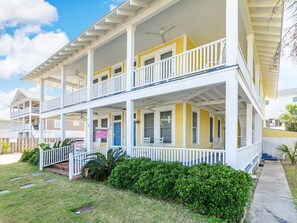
x,y
186,156
247,154
52,104
78,160
211,55
53,156
110,86
75,97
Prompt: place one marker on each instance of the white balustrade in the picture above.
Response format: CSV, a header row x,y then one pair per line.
x,y
186,156
110,86
247,154
75,97
209,56
52,104
53,156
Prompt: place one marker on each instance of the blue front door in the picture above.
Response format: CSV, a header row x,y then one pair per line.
x,y
117,134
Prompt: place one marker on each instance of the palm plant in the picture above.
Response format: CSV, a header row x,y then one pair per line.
x,y
99,166
66,142
290,152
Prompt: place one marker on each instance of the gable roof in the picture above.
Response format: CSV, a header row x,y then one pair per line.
x,y
25,94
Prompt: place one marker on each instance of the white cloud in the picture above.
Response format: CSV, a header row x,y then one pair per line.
x,y
26,12
6,98
22,53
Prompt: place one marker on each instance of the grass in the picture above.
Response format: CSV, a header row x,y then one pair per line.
x,y
57,201
291,174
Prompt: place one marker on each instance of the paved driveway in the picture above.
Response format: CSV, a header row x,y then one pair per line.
x,y
10,158
272,200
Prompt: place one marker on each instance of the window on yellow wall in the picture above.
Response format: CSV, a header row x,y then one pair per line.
x,y
166,126
149,126
219,128
211,129
194,128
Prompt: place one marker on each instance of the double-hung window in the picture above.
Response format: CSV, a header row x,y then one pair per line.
x,y
149,126
104,125
194,128
211,127
166,126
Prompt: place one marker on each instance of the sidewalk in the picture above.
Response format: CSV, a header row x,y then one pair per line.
x,y
272,200
10,158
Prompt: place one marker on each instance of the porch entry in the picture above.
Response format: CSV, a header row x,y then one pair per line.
x,y
117,131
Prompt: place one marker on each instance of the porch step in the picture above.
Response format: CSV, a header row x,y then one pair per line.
x,y
59,168
267,156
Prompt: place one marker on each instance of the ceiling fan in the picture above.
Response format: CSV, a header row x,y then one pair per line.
x,y
162,32
77,74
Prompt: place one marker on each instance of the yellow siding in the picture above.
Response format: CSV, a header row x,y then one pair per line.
x,y
179,125
106,69
190,44
204,129
278,133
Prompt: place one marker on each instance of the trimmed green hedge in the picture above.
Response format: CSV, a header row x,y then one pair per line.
x,y
215,190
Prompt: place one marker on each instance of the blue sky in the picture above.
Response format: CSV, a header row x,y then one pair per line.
x,y
32,30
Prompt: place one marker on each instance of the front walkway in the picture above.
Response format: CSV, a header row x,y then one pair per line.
x,y
272,200
10,158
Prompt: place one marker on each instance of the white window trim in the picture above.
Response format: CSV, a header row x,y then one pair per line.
x,y
57,126
116,66
197,110
213,127
105,73
157,54
157,122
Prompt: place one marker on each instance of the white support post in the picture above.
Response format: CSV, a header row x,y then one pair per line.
x,y
89,138
63,85
250,54
231,120
41,159
231,31
63,127
90,73
184,131
130,55
249,124
130,125
41,100
71,166
41,130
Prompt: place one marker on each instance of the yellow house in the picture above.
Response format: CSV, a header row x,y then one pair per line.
x,y
175,80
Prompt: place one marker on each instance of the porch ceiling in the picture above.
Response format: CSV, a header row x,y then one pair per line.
x,y
267,30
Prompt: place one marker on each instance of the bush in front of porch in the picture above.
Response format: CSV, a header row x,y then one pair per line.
x,y
215,190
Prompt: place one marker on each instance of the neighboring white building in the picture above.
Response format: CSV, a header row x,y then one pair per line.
x,y
24,115
4,128
197,85
275,107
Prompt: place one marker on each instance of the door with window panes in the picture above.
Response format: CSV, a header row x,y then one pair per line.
x,y
117,81
149,71
166,65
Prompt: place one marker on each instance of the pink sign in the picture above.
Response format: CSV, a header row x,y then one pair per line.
x,y
101,133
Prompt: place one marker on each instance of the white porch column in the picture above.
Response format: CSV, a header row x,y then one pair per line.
x,y
41,130
63,84
41,99
130,125
231,120
90,73
89,139
231,31
250,54
249,124
63,127
130,55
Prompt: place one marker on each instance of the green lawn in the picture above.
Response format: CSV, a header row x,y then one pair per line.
x,y
56,201
291,174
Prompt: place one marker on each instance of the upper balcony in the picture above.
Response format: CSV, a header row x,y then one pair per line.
x,y
25,111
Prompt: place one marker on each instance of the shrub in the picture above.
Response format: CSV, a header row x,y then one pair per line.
x,y
126,174
291,153
30,156
66,142
216,190
5,147
99,167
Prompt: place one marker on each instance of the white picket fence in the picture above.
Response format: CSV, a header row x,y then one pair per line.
x,y
209,56
53,156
